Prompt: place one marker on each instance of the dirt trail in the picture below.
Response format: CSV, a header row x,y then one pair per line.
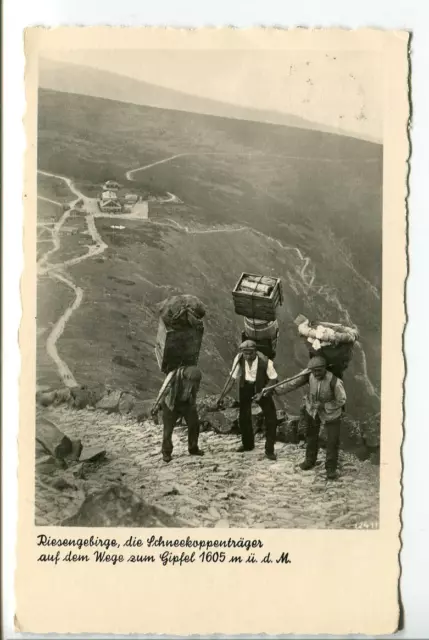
x,y
249,154
56,272
238,490
49,200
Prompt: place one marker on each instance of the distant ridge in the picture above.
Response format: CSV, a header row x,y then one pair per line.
x,y
79,79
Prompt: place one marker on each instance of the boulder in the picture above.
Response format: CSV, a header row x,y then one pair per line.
x,y
141,410
209,401
56,443
80,397
92,454
110,401
126,403
63,396
118,506
75,452
221,422
46,398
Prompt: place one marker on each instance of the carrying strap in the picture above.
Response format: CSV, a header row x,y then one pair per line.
x,y
333,384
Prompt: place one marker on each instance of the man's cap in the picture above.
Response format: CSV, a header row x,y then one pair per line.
x,y
316,362
192,373
248,345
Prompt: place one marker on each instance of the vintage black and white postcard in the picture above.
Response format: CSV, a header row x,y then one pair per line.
x,y
213,310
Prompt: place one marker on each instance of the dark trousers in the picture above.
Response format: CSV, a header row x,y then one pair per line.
x,y
247,391
169,419
312,427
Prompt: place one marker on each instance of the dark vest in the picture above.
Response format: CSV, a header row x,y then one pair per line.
x,y
261,372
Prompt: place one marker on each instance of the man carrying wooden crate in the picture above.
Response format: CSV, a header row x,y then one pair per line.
x,y
180,401
254,370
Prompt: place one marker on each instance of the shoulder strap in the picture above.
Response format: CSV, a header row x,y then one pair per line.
x,y
263,358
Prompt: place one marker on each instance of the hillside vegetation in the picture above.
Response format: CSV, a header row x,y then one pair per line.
x,y
300,204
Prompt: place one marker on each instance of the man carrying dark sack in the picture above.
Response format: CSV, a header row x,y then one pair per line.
x,y
253,371
324,405
180,401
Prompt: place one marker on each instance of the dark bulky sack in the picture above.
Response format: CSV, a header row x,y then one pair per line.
x,y
182,311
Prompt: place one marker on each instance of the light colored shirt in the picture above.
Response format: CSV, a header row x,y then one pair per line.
x,y
251,370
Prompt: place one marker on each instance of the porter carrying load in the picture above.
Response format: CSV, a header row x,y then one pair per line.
x,y
334,342
180,332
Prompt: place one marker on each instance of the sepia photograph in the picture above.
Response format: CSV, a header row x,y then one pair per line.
x,y
209,288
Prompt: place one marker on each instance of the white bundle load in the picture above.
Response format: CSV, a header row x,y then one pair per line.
x,y
323,334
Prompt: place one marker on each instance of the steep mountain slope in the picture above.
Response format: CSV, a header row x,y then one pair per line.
x,y
303,205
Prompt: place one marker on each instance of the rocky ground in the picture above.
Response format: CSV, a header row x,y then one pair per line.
x,y
222,489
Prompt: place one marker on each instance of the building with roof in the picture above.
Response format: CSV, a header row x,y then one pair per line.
x,y
109,202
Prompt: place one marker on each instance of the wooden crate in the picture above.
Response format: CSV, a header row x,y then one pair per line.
x,y
256,306
176,348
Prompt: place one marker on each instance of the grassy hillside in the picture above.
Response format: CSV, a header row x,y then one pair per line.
x,y
87,81
291,189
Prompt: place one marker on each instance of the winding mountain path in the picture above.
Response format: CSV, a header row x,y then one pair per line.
x,y
56,270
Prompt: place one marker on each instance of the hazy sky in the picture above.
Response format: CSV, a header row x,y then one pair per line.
x,y
339,89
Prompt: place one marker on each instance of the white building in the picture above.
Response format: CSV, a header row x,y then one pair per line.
x,y
109,201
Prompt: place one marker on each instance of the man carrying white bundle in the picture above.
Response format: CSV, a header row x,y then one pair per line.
x,y
324,405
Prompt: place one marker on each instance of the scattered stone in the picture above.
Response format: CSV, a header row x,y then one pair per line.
x,y
213,513
110,402
237,494
62,483
170,491
48,464
92,454
79,471
276,495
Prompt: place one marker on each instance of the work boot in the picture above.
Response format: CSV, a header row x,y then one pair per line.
x,y
166,457
242,449
331,474
307,465
270,455
196,452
